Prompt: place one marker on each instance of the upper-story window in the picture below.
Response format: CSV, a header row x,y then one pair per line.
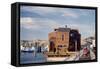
x,y
62,37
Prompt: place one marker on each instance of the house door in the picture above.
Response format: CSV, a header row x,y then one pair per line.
x,y
52,45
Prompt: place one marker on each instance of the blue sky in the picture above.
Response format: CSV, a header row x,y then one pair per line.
x,y
36,22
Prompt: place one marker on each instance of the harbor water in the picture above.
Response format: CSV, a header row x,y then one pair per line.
x,y
31,57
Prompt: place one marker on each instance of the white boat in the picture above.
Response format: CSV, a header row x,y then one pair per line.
x,y
27,49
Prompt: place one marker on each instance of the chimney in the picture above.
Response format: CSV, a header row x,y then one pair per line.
x,y
65,26
55,29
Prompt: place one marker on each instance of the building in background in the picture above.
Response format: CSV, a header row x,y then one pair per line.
x,y
33,45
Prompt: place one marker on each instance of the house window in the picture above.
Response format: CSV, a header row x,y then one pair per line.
x,y
60,46
62,37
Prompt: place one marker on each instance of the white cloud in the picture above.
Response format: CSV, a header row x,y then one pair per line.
x,y
70,13
38,23
28,23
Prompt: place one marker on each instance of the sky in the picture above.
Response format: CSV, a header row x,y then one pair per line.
x,y
36,22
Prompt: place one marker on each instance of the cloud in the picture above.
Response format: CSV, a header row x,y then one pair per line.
x,y
45,11
85,30
39,10
86,12
42,23
83,20
38,23
69,13
27,23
